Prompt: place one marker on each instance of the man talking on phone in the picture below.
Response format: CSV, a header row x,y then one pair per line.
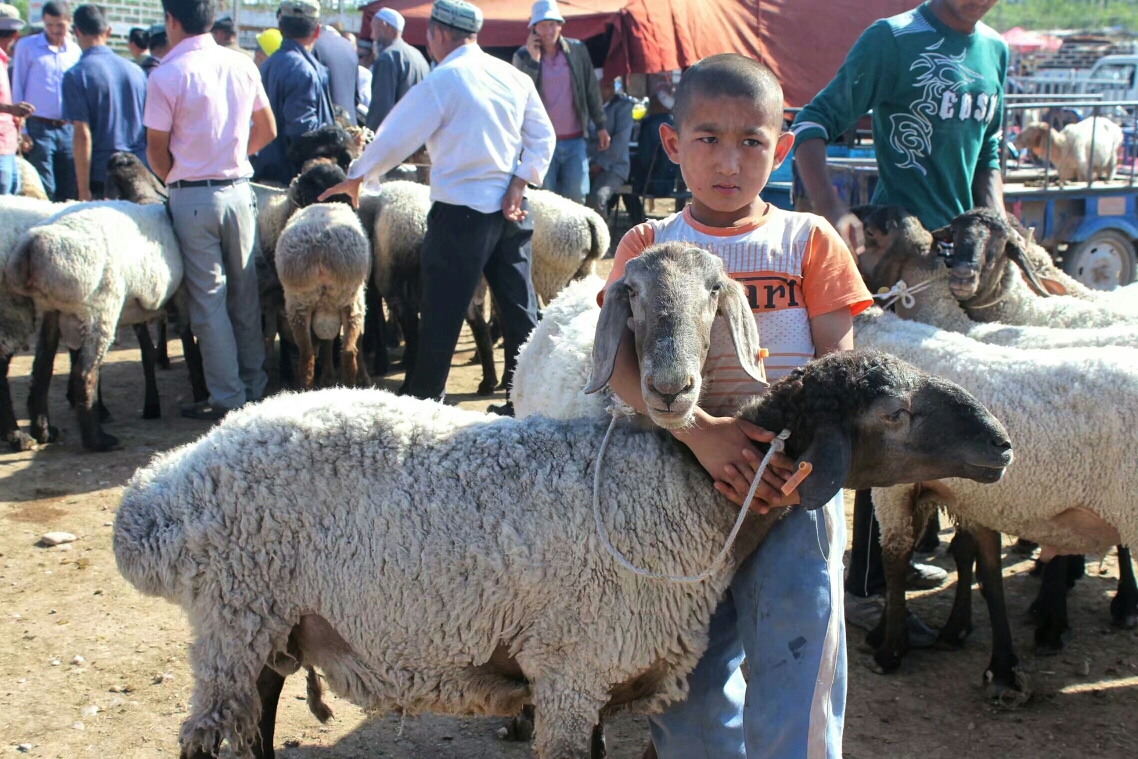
x,y
563,73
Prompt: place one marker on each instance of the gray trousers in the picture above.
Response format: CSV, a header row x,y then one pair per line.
x,y
215,228
601,190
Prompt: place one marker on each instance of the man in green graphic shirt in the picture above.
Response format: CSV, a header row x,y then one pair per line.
x,y
934,78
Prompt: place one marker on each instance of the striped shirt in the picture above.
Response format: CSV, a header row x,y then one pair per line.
x,y
794,267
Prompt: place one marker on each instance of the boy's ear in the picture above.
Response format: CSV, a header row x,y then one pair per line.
x,y
782,148
670,140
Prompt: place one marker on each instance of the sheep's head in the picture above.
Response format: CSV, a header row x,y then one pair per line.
x,y
867,419
129,179
982,242
896,247
669,297
329,141
1034,137
313,181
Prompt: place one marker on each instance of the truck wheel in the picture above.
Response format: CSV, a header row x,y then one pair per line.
x,y
1104,261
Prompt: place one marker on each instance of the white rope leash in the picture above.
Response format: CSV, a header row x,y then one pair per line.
x,y
777,445
903,293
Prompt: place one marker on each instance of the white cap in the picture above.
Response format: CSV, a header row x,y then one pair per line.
x,y
545,10
391,17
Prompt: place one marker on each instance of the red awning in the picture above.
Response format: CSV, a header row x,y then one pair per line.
x,y
803,41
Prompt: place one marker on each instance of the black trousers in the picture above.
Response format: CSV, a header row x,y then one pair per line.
x,y
867,570
461,246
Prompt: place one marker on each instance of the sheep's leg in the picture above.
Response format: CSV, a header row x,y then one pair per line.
x,y
480,328
151,405
327,363
163,360
1053,629
409,324
42,368
520,728
301,326
959,624
901,522
374,341
226,706
566,719
192,355
1124,605
353,326
269,686
1000,677
9,428
85,380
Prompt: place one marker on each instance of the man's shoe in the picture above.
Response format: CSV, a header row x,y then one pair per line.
x,y
924,577
505,409
205,411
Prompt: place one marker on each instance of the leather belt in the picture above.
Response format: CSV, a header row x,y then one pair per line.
x,y
50,122
183,184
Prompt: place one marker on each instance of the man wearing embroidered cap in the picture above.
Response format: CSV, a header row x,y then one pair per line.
x,y
488,136
297,85
563,74
10,113
398,67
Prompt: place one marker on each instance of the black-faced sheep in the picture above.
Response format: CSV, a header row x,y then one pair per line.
x,y
534,610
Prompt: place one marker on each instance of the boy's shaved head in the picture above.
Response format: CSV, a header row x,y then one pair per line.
x,y
733,76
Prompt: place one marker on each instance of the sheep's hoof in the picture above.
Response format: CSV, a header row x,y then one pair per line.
x,y
884,662
1051,640
164,364
102,443
21,441
952,638
44,433
1008,693
1124,612
152,412
486,386
519,728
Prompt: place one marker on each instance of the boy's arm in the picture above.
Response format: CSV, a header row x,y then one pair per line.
x,y
832,332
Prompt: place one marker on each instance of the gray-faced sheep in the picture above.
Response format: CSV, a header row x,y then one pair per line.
x,y
533,610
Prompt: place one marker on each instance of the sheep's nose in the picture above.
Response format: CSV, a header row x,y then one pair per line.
x,y
669,391
1002,444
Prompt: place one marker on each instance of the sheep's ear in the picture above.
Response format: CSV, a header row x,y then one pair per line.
x,y
1016,253
733,307
611,326
944,234
830,454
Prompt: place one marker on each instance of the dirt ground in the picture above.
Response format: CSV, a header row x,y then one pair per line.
x,y
88,667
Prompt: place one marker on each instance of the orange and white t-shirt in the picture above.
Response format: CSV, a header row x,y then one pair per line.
x,y
794,266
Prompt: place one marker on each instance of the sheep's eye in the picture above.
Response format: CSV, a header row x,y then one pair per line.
x,y
716,288
899,415
632,292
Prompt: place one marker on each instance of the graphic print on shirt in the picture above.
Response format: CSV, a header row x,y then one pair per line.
x,y
944,82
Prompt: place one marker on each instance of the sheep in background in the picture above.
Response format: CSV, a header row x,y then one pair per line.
x,y
323,261
987,271
487,587
18,318
1072,414
1071,148
95,266
31,186
568,239
898,248
129,179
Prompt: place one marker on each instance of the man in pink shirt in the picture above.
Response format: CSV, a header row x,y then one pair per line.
x,y
563,74
206,113
10,26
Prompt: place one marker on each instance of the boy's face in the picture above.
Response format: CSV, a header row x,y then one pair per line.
x,y
727,148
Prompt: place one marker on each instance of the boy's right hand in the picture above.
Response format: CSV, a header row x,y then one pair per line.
x,y
850,228
725,448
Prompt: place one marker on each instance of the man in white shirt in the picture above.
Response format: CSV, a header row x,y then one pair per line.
x,y
488,136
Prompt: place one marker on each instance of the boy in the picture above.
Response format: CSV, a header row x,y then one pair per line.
x,y
784,606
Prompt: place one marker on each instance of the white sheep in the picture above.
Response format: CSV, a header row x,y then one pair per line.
x,y
899,249
17,312
97,266
987,271
1071,414
31,186
1071,148
454,566
323,261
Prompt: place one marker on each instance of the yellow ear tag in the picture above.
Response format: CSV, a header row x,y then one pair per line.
x,y
882,290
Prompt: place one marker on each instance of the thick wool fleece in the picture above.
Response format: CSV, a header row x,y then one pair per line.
x,y
405,534
273,211
99,265
555,362
323,260
1017,304
17,312
1071,414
